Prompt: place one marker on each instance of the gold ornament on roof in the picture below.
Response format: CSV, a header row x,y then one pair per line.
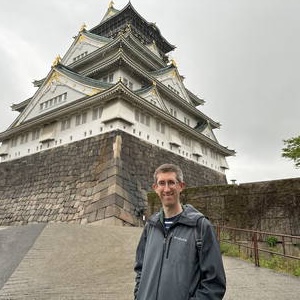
x,y
173,62
83,27
56,61
111,4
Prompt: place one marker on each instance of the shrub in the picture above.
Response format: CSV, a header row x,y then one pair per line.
x,y
272,241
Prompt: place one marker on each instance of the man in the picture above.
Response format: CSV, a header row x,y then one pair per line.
x,y
172,262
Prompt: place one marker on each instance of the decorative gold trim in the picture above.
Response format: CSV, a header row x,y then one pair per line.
x,y
173,62
56,61
83,27
111,4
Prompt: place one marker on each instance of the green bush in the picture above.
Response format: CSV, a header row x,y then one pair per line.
x,y
297,271
272,241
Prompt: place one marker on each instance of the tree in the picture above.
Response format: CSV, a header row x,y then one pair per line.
x,y
292,150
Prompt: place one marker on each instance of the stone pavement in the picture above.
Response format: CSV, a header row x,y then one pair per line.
x,y
69,261
245,281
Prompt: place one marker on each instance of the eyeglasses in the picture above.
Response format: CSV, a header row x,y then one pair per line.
x,y
169,183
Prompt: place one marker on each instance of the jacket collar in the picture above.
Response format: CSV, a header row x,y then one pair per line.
x,y
189,216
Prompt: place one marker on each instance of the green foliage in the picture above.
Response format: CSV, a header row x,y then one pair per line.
x,y
272,241
281,264
292,150
229,250
297,271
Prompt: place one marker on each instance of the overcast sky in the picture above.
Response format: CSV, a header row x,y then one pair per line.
x,y
241,56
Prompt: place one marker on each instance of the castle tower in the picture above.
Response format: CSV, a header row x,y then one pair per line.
x,y
115,83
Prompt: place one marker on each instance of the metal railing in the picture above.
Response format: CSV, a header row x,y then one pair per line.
x,y
255,241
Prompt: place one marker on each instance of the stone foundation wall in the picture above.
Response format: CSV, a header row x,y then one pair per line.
x,y
272,206
102,179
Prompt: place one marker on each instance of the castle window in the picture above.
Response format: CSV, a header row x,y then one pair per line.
x,y
142,118
185,140
108,78
53,101
173,112
81,119
187,121
35,134
97,113
160,127
24,138
80,56
128,83
65,124
213,154
173,89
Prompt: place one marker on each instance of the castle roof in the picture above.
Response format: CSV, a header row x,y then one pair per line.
x,y
115,21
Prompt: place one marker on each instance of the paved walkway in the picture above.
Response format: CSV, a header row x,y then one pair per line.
x,y
245,281
86,262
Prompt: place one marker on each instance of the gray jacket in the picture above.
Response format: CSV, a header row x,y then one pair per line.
x,y
169,265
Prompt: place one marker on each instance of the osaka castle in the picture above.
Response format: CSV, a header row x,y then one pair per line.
x,y
115,76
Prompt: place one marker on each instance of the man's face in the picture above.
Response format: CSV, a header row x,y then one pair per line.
x,y
168,188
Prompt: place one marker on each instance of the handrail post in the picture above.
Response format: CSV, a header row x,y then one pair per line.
x,y
255,245
283,245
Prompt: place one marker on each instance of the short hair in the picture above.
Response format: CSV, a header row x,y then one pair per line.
x,y
165,168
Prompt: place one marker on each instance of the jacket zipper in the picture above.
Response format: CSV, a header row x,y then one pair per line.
x,y
168,245
166,249
162,257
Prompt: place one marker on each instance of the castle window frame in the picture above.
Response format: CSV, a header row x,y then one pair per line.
x,y
35,134
14,142
160,127
81,118
65,124
187,121
142,118
173,112
24,138
97,113
53,101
